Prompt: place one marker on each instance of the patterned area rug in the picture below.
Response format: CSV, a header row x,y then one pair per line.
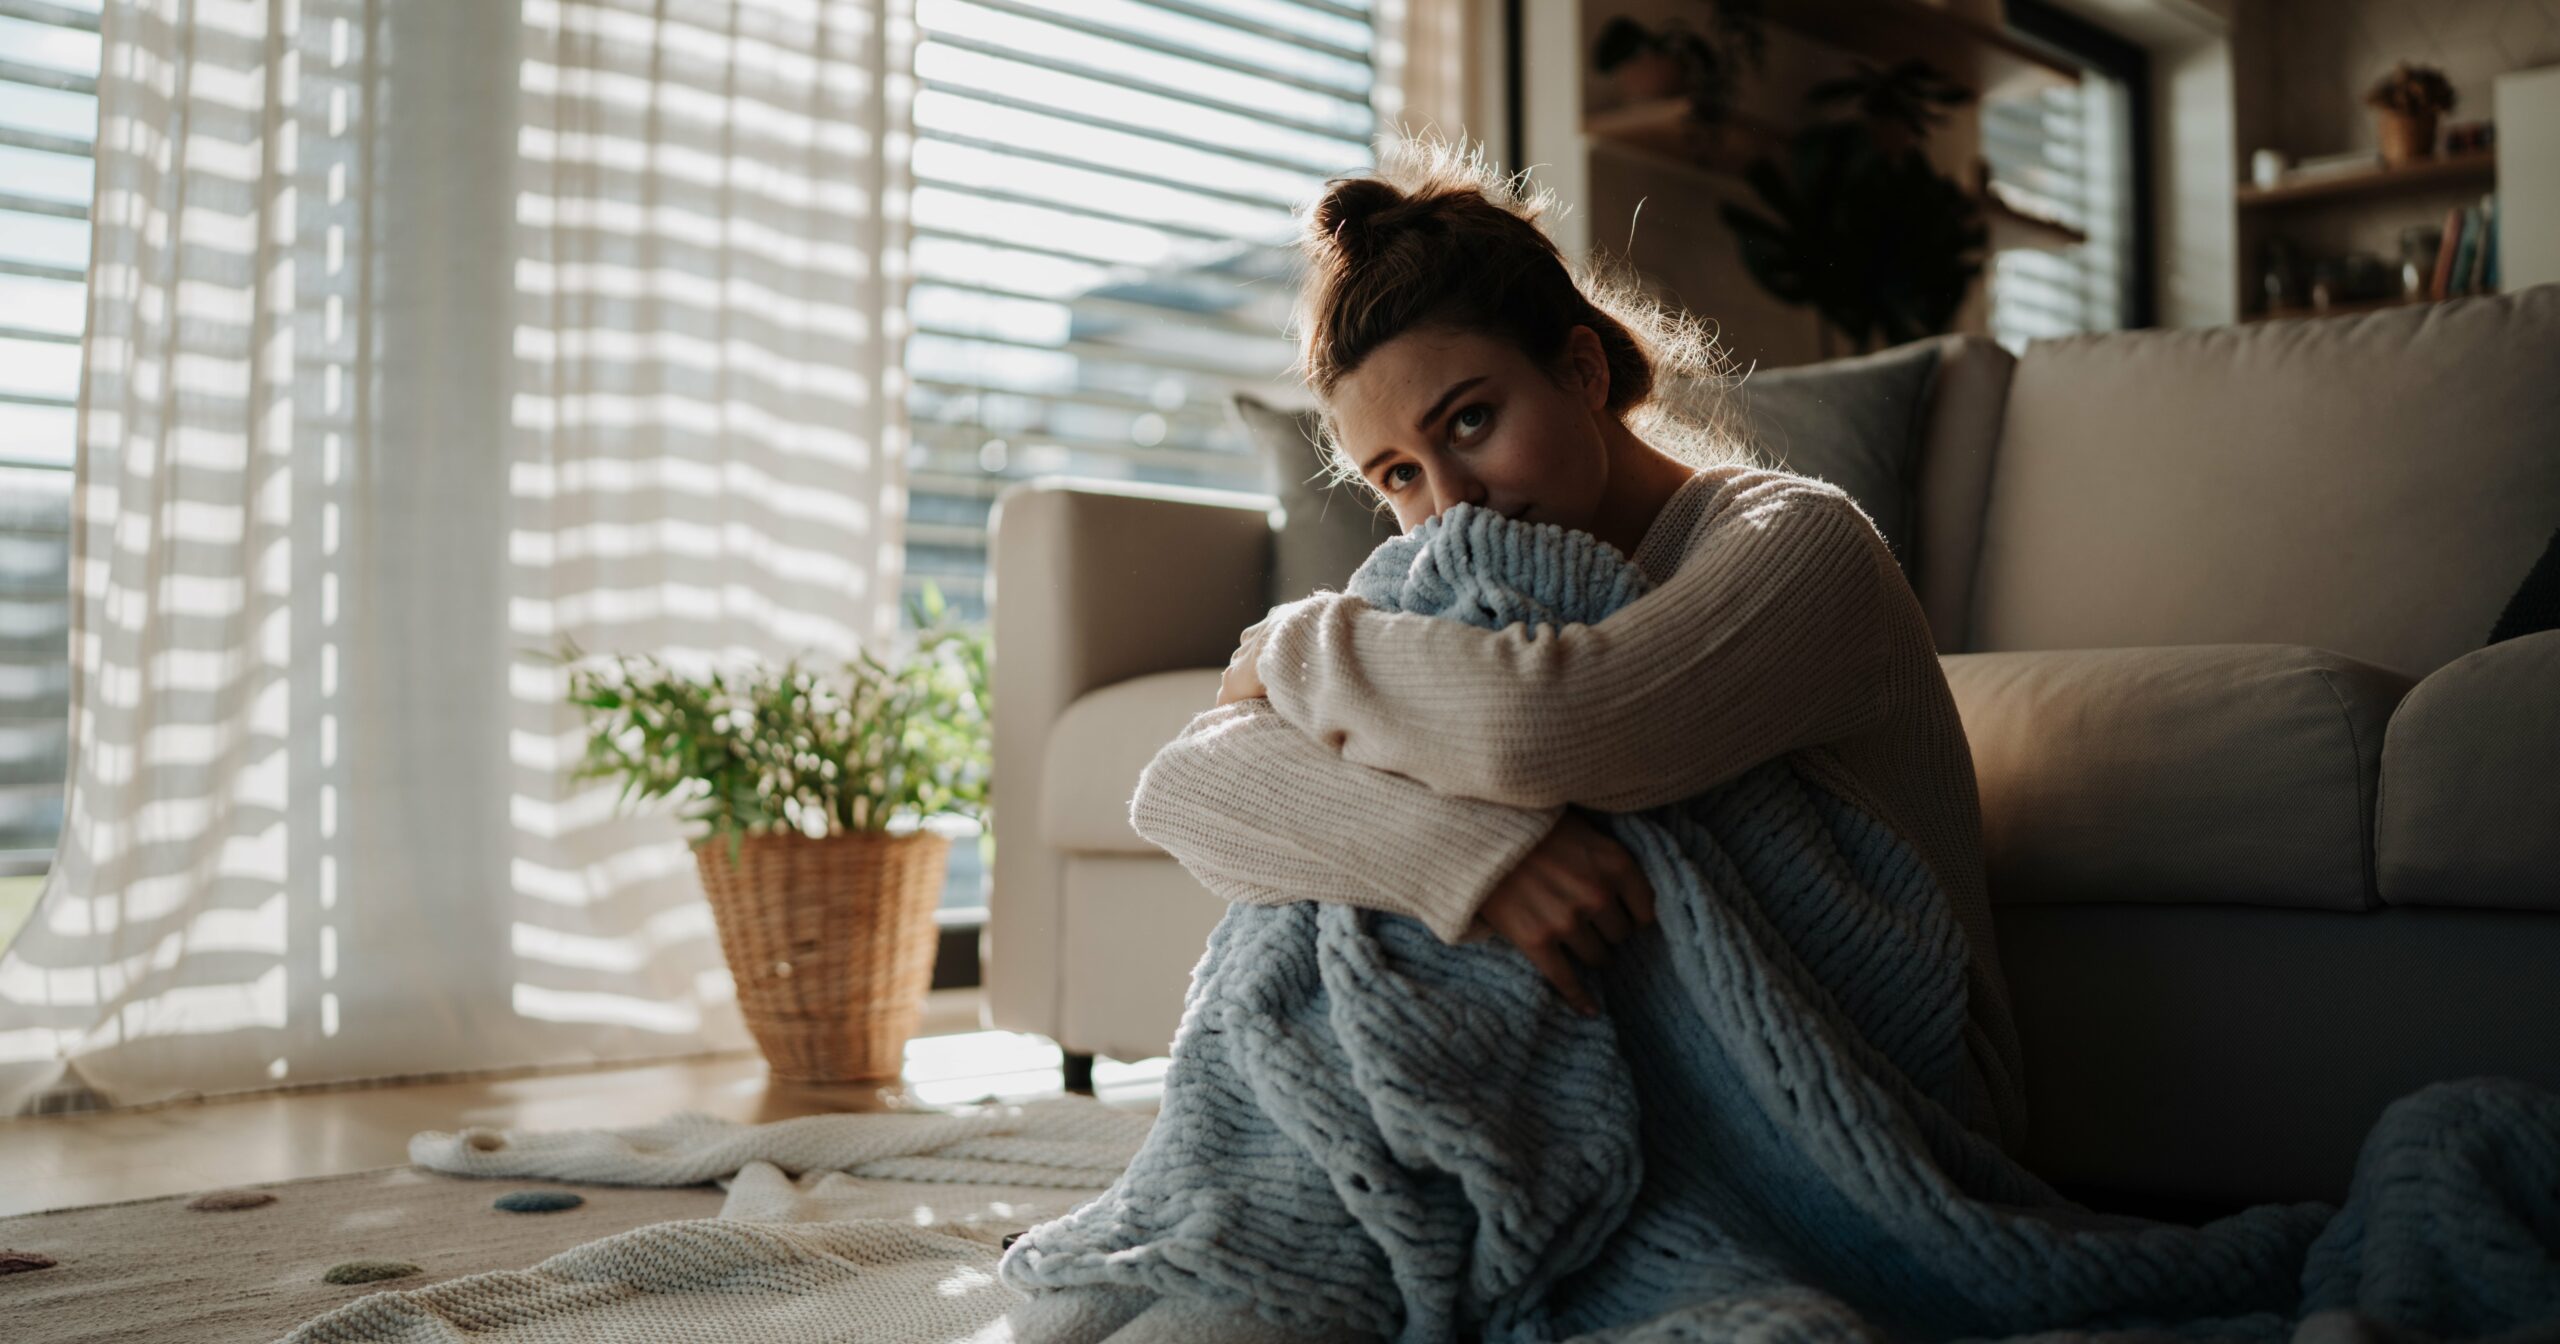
x,y
156,1270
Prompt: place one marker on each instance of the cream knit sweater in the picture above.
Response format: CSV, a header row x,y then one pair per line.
x,y
1407,763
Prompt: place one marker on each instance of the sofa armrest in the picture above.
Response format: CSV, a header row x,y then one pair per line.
x,y
1093,583
2469,813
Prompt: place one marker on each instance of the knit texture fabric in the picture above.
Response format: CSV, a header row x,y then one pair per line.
x,y
1778,625
1370,1133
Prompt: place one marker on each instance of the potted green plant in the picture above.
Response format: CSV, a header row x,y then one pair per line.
x,y
2405,106
1900,104
806,787
1855,223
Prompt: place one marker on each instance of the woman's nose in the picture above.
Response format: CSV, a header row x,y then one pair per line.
x,y
1452,485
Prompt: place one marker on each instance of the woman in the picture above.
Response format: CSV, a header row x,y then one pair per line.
x,y
1458,359
1790,1123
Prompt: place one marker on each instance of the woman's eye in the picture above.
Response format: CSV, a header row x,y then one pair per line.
x,y
1396,482
1472,421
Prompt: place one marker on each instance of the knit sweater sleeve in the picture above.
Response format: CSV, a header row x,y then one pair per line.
x,y
1769,637
1262,814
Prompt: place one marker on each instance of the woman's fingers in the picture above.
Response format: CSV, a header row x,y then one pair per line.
x,y
1553,964
1587,945
1526,922
1617,871
1639,895
1604,911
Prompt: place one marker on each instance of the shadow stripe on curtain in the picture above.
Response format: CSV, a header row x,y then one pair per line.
x,y
422,337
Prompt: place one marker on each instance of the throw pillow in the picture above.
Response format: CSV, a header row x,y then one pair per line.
x,y
1324,530
2536,605
1853,422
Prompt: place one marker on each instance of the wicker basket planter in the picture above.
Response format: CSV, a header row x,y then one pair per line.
x,y
831,942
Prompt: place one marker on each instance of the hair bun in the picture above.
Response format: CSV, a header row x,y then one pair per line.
x,y
1345,215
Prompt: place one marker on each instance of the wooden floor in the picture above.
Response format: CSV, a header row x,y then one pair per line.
x,y
60,1161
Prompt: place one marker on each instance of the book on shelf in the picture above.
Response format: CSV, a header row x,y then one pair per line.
x,y
2440,285
2466,252
2484,267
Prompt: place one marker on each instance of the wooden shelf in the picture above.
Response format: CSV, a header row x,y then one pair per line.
x,y
1976,54
2015,230
1660,129
2424,175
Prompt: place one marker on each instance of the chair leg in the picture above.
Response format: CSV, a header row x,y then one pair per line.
x,y
1079,1073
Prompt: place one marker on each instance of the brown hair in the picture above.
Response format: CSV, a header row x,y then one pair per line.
x,y
1437,237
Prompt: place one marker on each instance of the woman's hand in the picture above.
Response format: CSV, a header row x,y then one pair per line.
x,y
1242,681
1571,899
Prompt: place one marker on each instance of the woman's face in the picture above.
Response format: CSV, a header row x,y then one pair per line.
x,y
1436,416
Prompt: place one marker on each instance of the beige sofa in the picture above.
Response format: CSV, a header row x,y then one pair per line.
x,y
2272,838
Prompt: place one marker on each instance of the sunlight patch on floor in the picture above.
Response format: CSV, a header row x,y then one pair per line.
x,y
1010,1066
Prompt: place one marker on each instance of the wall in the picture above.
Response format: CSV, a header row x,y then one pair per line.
x,y
2326,53
2196,244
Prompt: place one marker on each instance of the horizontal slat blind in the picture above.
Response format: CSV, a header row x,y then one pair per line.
x,y
2063,153
48,121
1103,198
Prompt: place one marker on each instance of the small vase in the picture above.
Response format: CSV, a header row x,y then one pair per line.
x,y
831,943
2406,136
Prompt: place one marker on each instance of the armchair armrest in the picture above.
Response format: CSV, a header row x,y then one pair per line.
x,y
1093,583
2469,810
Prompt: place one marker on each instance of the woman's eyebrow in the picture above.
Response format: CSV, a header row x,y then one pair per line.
x,y
1445,398
1424,424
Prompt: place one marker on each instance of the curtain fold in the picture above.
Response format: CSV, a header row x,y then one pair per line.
x,y
423,336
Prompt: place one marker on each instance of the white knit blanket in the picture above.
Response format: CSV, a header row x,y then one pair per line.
x,y
889,1233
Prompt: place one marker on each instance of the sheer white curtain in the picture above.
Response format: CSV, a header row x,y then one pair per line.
x,y
425,334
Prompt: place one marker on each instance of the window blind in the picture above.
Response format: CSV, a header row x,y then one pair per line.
x,y
2064,155
1102,241
48,121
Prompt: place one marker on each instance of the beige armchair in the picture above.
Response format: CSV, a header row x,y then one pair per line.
x,y
1118,605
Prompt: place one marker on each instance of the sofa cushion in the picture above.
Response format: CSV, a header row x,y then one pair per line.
x,y
1968,399
1097,748
1324,529
2470,808
1853,422
2373,485
2239,774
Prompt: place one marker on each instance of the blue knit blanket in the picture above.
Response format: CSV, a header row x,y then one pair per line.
x,y
1367,1133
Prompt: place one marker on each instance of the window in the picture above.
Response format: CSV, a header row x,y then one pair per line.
x,y
1102,255
48,120
2075,156
1103,218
